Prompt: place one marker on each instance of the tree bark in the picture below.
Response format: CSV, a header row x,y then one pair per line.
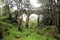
x,y
38,21
58,23
19,24
58,15
27,21
10,16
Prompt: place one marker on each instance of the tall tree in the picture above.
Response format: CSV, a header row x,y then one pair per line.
x,y
58,15
48,7
8,5
27,6
19,8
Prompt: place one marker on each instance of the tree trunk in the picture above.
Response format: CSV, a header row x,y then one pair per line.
x,y
38,21
58,23
10,16
18,15
58,15
19,24
27,21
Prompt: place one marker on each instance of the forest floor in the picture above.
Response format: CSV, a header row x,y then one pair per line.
x,y
10,32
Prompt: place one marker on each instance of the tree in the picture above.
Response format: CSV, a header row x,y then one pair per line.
x,y
7,5
58,15
19,8
48,8
53,7
27,6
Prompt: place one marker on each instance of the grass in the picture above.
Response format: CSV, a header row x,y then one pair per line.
x,y
10,32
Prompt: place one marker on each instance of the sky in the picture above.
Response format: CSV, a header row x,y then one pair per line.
x,y
35,3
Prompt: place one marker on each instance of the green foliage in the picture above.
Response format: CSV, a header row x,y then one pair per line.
x,y
41,33
5,9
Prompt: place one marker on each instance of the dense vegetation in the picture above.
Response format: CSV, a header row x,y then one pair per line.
x,y
45,26
10,32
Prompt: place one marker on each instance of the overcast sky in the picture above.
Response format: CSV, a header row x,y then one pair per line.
x,y
35,3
